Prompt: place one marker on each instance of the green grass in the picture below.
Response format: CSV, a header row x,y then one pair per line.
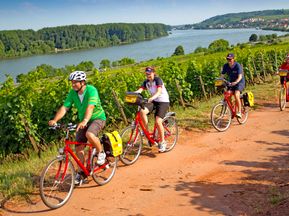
x,y
22,177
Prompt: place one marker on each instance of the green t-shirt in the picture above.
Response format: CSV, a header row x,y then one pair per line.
x,y
90,96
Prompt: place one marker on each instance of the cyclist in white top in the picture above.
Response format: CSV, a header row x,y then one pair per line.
x,y
158,101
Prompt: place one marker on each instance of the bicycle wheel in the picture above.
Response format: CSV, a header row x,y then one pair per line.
x,y
54,190
282,98
171,132
132,145
104,173
221,116
245,112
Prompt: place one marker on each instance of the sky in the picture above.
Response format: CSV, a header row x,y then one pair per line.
x,y
37,14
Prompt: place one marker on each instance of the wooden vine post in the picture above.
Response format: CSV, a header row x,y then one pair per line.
x,y
180,93
119,107
203,87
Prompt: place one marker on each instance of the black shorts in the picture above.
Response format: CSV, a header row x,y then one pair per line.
x,y
94,127
161,108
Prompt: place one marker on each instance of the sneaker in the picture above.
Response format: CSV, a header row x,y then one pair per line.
x,y
80,178
239,115
101,158
162,146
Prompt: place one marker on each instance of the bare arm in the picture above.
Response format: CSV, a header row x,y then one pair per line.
x,y
59,115
139,90
87,116
238,79
158,93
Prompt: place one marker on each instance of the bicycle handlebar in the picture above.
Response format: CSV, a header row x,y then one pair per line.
x,y
69,126
283,70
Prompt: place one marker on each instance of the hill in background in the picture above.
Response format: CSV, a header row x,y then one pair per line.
x,y
267,19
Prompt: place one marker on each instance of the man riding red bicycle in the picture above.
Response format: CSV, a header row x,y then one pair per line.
x,y
236,77
159,101
90,113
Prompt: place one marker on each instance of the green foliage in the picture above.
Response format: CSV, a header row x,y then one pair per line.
x,y
104,64
218,45
63,38
123,62
179,51
253,38
200,49
26,108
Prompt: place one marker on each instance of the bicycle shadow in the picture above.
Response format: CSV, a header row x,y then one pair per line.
x,y
31,199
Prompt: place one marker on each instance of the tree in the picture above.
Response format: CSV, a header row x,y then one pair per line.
x,y
105,63
219,45
253,38
200,49
179,51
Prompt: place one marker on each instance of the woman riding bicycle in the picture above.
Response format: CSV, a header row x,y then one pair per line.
x,y
236,77
159,101
90,113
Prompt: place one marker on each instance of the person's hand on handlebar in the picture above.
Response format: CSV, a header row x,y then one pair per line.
x,y
52,122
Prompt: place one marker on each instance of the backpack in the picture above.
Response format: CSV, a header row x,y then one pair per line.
x,y
248,99
112,144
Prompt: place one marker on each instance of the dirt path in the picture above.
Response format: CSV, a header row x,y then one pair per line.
x,y
243,171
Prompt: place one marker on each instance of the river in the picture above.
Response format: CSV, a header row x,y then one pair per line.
x,y
161,47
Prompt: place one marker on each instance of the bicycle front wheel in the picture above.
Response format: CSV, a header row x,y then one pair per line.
x,y
56,184
104,173
131,144
221,117
171,132
245,112
282,98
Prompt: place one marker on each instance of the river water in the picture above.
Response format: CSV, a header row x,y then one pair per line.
x,y
161,47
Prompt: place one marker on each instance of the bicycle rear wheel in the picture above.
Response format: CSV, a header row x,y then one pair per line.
x,y
132,145
104,173
54,191
282,98
171,132
221,116
245,112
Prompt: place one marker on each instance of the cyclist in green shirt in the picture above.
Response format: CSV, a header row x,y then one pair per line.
x,y
91,116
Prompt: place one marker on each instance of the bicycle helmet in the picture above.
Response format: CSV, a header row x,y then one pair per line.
x,y
149,70
77,76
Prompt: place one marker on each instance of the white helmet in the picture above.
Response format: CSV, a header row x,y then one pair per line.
x,y
77,76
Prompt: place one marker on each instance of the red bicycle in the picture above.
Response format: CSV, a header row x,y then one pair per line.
x,y
223,112
57,178
132,135
283,94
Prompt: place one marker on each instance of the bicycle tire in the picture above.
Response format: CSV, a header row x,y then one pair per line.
x,y
221,116
54,192
171,132
245,113
102,174
282,98
131,152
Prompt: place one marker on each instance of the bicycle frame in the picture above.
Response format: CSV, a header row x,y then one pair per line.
x,y
139,123
232,106
67,151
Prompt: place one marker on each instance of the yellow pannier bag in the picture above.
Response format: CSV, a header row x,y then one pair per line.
x,y
248,98
112,143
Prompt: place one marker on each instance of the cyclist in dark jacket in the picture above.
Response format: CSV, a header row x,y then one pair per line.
x,y
236,77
